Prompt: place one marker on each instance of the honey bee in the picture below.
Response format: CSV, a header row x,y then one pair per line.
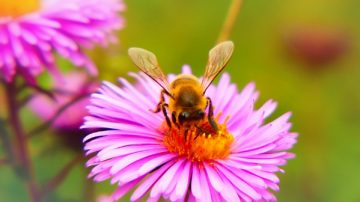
x,y
187,99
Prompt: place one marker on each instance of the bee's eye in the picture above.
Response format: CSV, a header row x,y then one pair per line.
x,y
183,116
201,113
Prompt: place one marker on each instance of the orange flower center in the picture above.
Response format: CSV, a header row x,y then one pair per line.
x,y
15,8
198,141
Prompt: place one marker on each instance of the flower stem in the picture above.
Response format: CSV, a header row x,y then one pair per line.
x,y
61,176
230,20
6,142
24,165
89,190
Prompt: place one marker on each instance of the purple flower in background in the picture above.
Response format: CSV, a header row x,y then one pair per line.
x,y
317,47
74,90
32,31
136,148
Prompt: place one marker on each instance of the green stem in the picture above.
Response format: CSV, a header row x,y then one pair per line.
x,y
6,144
89,190
230,20
61,175
20,144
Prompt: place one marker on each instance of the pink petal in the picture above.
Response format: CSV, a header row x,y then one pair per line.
x,y
123,189
195,183
165,180
146,185
183,183
214,178
155,162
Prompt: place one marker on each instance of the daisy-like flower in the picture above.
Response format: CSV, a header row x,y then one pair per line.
x,y
31,31
137,149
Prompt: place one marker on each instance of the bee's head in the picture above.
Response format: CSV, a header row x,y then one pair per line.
x,y
190,116
200,114
183,116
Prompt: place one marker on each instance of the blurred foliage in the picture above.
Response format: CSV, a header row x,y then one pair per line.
x,y
325,104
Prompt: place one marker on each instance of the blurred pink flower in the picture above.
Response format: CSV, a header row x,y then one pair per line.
x,y
75,84
75,89
316,46
136,149
32,31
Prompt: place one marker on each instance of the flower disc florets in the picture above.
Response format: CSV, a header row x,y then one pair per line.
x,y
198,141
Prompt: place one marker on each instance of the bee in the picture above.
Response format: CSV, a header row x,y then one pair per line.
x,y
187,100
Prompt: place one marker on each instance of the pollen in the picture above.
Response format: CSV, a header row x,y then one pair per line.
x,y
15,8
198,141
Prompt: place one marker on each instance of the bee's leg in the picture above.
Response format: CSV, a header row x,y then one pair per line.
x,y
173,119
161,102
211,115
163,108
186,134
202,131
197,133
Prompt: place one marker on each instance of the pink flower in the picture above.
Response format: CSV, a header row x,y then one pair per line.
x,y
136,149
74,90
32,31
317,47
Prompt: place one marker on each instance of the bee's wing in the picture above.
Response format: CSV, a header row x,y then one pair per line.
x,y
148,63
218,58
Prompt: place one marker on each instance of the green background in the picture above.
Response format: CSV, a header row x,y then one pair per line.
x,y
325,103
